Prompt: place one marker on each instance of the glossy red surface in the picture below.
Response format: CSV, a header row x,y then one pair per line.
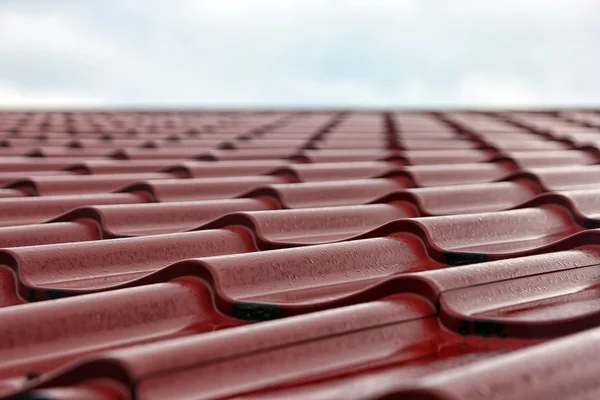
x,y
294,255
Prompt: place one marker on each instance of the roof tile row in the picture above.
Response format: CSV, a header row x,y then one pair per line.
x,y
298,255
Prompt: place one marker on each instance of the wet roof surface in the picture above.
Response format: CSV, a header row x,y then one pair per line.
x,y
299,255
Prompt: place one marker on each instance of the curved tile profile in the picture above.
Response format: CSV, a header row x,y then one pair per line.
x,y
531,144
8,290
561,368
283,228
100,264
456,174
8,177
324,276
566,367
469,238
547,305
31,166
407,143
495,234
569,177
222,169
33,210
317,275
7,193
340,171
350,266
80,230
420,175
329,194
103,166
253,154
587,203
471,241
436,157
552,158
202,188
92,391
466,199
501,232
153,313
122,220
414,272
369,323
582,252
385,255
385,322
350,155
125,220
63,151
174,153
155,218
78,184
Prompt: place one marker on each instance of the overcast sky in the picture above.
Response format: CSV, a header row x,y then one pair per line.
x,y
420,53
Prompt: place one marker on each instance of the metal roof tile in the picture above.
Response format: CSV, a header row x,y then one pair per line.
x,y
569,177
120,220
348,155
92,391
437,144
434,157
547,305
470,198
4,193
401,331
28,164
328,194
54,185
253,154
59,232
500,232
32,210
222,169
553,158
405,255
183,358
108,166
100,264
81,325
557,363
453,174
201,188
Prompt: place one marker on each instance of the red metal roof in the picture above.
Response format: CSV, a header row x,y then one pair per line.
x,y
299,255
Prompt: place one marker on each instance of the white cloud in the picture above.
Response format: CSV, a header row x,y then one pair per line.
x,y
14,97
497,92
52,34
322,52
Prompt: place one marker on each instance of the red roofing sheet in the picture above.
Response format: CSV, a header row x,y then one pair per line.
x,y
294,255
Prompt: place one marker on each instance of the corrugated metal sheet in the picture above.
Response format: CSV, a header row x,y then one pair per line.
x,y
299,255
